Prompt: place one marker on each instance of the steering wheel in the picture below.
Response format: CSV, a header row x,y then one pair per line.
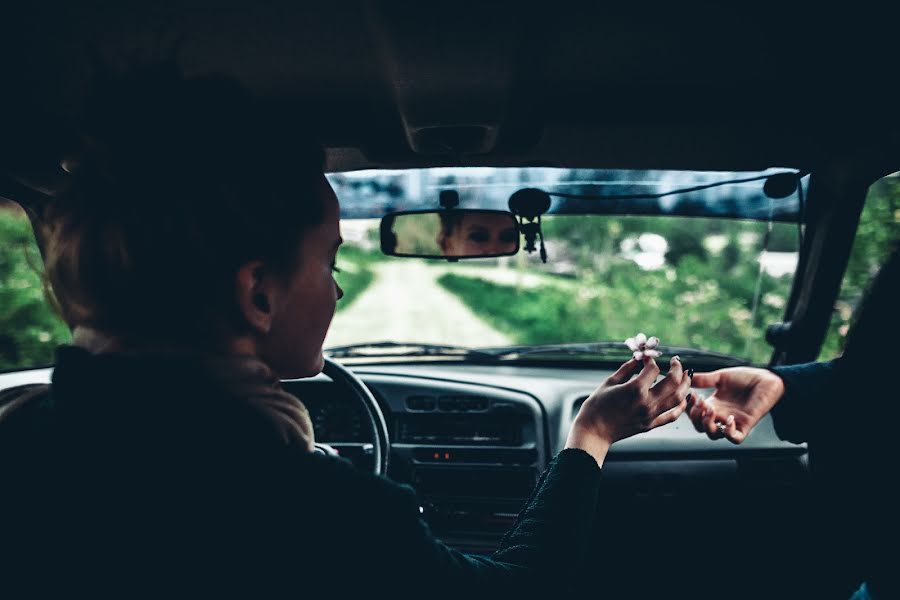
x,y
377,425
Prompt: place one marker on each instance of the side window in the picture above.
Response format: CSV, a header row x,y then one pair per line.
x,y
878,233
30,330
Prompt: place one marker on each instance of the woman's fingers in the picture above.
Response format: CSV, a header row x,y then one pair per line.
x,y
669,415
673,397
706,420
684,388
703,414
648,374
732,432
695,412
709,420
624,373
671,403
707,380
670,383
728,428
675,368
712,421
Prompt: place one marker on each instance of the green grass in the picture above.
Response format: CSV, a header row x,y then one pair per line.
x,y
30,330
356,273
530,316
698,308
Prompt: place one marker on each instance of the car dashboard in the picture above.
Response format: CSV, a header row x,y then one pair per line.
x,y
472,441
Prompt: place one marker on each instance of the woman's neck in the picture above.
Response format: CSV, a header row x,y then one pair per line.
x,y
96,341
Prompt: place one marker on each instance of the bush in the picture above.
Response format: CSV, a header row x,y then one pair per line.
x,y
694,307
877,235
30,330
356,273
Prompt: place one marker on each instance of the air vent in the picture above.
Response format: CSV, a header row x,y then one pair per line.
x,y
461,429
421,403
447,403
462,403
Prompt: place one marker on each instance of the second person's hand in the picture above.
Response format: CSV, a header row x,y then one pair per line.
x,y
742,396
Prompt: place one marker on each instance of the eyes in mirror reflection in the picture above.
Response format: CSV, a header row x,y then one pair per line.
x,y
457,233
477,234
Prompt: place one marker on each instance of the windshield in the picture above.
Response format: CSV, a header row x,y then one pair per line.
x,y
617,264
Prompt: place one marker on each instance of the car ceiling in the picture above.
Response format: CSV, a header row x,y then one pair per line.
x,y
404,84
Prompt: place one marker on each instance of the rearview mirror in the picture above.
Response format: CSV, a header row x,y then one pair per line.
x,y
450,233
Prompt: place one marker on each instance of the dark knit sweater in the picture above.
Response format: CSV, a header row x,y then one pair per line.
x,y
844,410
139,475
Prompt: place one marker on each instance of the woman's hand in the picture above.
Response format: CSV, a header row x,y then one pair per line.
x,y
622,406
743,395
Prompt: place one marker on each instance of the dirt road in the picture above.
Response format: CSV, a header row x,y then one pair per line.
x,y
405,304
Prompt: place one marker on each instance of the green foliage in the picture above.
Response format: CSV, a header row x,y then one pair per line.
x,y
355,265
703,297
685,241
878,233
417,234
30,330
783,238
592,240
694,307
731,253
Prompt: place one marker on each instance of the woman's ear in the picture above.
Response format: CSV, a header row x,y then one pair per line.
x,y
254,296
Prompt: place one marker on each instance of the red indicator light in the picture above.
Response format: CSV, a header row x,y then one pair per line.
x,y
446,456
436,456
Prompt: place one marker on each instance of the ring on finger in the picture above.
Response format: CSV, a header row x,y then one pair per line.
x,y
720,427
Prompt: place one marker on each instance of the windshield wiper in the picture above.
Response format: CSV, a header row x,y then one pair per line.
x,y
594,348
616,350
373,349
607,350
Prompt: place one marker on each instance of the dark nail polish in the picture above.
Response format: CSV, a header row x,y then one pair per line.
x,y
688,398
691,373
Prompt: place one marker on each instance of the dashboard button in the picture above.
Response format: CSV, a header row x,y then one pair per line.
x,y
448,403
424,403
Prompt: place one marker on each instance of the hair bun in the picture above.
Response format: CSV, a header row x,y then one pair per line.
x,y
177,183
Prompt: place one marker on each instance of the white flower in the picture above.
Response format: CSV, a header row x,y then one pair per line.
x,y
641,346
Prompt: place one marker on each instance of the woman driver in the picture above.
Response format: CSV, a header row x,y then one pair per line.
x,y
192,253
477,234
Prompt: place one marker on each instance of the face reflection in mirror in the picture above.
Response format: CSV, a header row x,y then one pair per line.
x,y
450,233
477,234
